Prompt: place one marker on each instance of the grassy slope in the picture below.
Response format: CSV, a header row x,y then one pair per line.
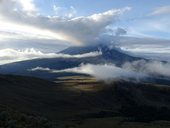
x,y
87,103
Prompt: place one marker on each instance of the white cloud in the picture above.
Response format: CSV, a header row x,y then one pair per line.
x,y
151,48
28,6
11,55
161,10
65,12
108,16
19,7
101,72
39,69
137,70
152,68
14,31
79,30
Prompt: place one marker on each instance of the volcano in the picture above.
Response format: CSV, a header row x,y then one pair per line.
x,y
109,55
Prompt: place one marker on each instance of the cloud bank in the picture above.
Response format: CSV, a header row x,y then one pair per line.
x,y
77,30
137,70
152,68
150,48
100,72
11,55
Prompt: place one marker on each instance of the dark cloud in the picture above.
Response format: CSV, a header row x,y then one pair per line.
x,y
120,31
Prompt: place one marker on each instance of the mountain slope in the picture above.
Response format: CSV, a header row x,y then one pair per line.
x,y
108,56
60,102
113,55
37,95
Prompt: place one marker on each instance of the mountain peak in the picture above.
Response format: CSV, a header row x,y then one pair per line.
x,y
110,53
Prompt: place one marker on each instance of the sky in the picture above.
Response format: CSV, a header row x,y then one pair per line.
x,y
49,26
155,14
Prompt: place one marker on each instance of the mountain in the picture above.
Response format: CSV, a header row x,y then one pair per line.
x,y
32,101
109,55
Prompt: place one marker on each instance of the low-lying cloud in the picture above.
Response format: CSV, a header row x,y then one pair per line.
x,y
137,70
152,68
101,72
12,55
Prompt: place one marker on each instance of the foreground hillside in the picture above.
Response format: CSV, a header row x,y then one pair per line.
x,y
73,103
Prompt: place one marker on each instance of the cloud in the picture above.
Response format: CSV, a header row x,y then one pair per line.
x,y
120,31
101,72
137,70
7,32
65,12
161,10
28,6
40,69
152,68
78,30
11,55
154,24
18,7
151,48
